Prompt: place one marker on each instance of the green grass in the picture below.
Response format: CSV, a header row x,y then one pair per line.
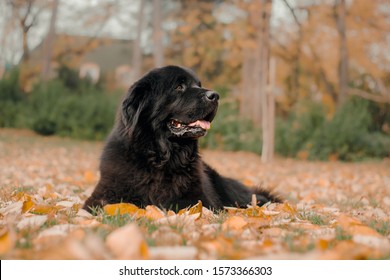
x,y
341,234
313,218
382,227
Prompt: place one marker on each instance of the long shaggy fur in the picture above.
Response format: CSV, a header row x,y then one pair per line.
x,y
147,160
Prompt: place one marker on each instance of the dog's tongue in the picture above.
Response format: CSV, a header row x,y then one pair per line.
x,y
201,123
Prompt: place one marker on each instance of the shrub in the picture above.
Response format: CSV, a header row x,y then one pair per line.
x,y
11,97
349,135
344,135
87,113
293,135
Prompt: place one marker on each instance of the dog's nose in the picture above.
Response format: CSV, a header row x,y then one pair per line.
x,y
212,95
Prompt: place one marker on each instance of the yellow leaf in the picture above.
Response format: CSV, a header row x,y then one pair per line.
x,y
121,209
235,223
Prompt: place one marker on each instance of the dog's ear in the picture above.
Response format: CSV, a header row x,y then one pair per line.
x,y
133,104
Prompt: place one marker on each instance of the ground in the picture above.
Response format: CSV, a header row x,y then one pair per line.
x,y
332,210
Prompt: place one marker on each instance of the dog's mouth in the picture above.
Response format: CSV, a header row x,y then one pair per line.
x,y
191,129
194,129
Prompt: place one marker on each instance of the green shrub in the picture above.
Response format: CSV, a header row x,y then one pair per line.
x,y
11,97
348,136
344,135
293,135
87,113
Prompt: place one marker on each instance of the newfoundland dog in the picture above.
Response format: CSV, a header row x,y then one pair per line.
x,y
151,155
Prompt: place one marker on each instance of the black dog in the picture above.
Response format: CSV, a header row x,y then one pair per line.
x,y
151,156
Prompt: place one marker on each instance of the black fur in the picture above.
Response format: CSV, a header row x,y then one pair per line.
x,y
151,155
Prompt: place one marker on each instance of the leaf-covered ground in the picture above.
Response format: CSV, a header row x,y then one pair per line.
x,y
333,210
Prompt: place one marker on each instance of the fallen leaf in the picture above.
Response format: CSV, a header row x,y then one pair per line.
x,y
32,222
153,212
234,223
7,241
12,209
121,209
127,243
44,209
196,209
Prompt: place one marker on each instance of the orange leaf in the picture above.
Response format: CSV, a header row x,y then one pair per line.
x,y
44,209
121,209
322,244
27,205
6,242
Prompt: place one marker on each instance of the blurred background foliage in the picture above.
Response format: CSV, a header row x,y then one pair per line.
x,y
65,65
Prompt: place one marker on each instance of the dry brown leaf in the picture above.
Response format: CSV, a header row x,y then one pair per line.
x,y
127,243
196,209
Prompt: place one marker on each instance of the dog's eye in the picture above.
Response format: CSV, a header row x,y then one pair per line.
x,y
180,88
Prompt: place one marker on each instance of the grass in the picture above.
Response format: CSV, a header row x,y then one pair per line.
x,y
342,235
382,227
314,218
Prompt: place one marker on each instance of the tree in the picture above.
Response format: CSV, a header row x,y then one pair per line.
x,y
158,48
264,96
26,12
137,52
47,57
340,17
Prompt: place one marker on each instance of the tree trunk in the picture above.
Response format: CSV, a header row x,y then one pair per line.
x,y
137,52
267,103
158,49
340,15
248,82
26,51
47,56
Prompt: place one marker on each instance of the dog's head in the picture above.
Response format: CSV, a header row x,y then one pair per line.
x,y
169,102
